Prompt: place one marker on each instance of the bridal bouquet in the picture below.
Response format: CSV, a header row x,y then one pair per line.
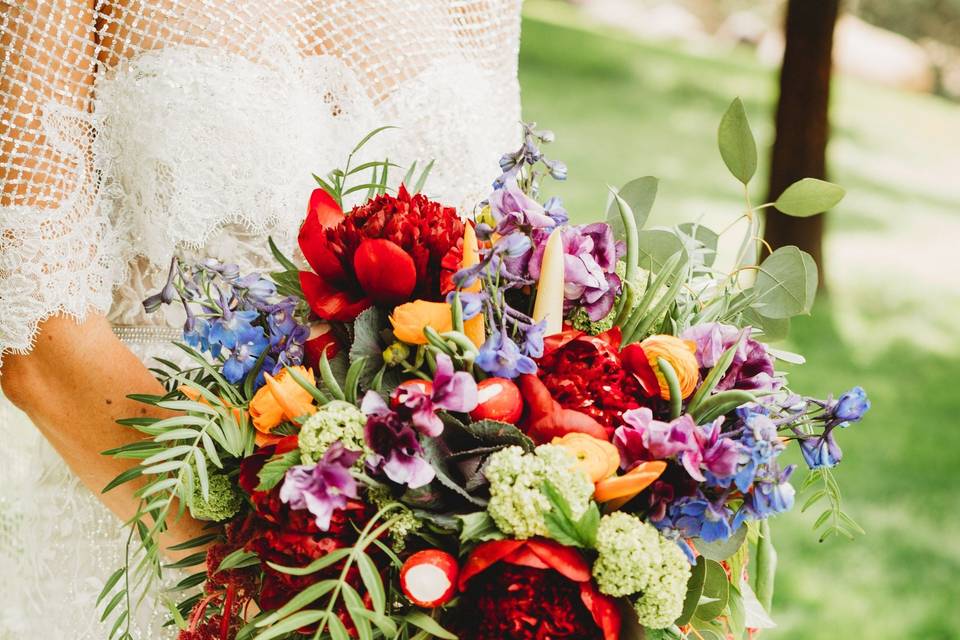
x,y
502,426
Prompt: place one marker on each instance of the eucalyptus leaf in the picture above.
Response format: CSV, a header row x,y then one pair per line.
x,y
755,616
704,239
694,591
721,550
737,146
657,246
786,284
716,588
809,197
640,195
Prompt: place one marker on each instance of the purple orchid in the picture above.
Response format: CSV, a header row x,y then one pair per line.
x,y
452,391
590,264
695,447
395,446
752,366
324,487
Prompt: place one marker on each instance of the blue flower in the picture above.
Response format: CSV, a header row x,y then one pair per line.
x,y
533,339
226,331
771,498
760,444
851,406
472,303
249,343
821,451
501,357
698,517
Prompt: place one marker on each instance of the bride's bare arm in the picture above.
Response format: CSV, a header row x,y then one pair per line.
x,y
74,386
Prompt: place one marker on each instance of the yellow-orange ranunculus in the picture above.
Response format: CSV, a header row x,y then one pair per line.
x,y
682,356
597,458
281,399
410,319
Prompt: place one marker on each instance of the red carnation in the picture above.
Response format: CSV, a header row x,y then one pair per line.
x,y
386,252
533,590
587,375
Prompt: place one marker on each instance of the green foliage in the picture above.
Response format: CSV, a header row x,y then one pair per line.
x,y
639,195
832,520
561,525
721,550
275,468
766,566
809,197
478,527
786,284
737,146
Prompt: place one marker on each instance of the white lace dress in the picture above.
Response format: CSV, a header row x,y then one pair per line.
x,y
130,130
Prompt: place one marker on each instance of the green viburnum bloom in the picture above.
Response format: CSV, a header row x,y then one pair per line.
x,y
517,503
407,524
633,558
223,501
335,421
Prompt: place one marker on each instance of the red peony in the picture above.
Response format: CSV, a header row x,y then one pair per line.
x,y
386,252
587,375
533,590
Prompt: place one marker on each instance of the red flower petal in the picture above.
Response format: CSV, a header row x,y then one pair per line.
x,y
323,212
526,558
329,303
636,362
315,347
566,561
484,556
385,271
603,609
548,420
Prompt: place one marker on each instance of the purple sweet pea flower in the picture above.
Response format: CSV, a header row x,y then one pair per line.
x,y
590,262
752,366
695,447
324,487
396,448
452,391
513,209
501,357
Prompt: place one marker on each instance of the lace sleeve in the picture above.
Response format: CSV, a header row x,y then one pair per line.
x,y
54,246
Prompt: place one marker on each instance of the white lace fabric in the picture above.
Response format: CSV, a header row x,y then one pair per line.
x,y
131,130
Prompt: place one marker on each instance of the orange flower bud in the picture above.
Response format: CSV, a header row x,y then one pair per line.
x,y
597,458
410,319
281,399
618,490
681,354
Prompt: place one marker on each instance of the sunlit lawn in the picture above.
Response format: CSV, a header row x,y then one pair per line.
x,y
623,109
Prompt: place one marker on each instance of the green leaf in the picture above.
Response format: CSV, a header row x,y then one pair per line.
x,y
191,560
273,471
673,384
428,624
716,588
194,543
786,283
367,344
317,565
110,584
721,550
755,616
809,197
694,591
735,613
737,146
639,194
704,239
238,560
720,404
313,592
123,477
372,581
494,432
656,247
479,527
291,624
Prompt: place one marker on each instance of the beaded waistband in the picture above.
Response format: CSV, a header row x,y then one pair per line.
x,y
145,334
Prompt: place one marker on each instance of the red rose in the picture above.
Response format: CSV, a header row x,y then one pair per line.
x,y
588,377
388,251
531,590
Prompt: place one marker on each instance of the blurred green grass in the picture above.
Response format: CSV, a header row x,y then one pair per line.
x,y
622,109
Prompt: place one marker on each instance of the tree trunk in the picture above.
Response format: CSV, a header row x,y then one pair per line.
x,y
802,125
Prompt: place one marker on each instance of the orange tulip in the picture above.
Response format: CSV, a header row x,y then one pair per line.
x,y
618,490
597,458
681,354
410,319
281,399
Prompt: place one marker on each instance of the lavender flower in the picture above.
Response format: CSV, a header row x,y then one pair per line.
x,y
324,487
821,451
501,357
395,447
452,391
752,366
513,209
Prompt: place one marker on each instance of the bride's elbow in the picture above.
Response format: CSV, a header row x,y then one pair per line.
x,y
21,382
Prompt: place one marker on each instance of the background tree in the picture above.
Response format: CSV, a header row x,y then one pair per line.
x,y
802,123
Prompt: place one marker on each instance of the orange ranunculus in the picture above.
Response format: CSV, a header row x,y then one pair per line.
x,y
409,320
281,399
597,458
618,490
681,354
